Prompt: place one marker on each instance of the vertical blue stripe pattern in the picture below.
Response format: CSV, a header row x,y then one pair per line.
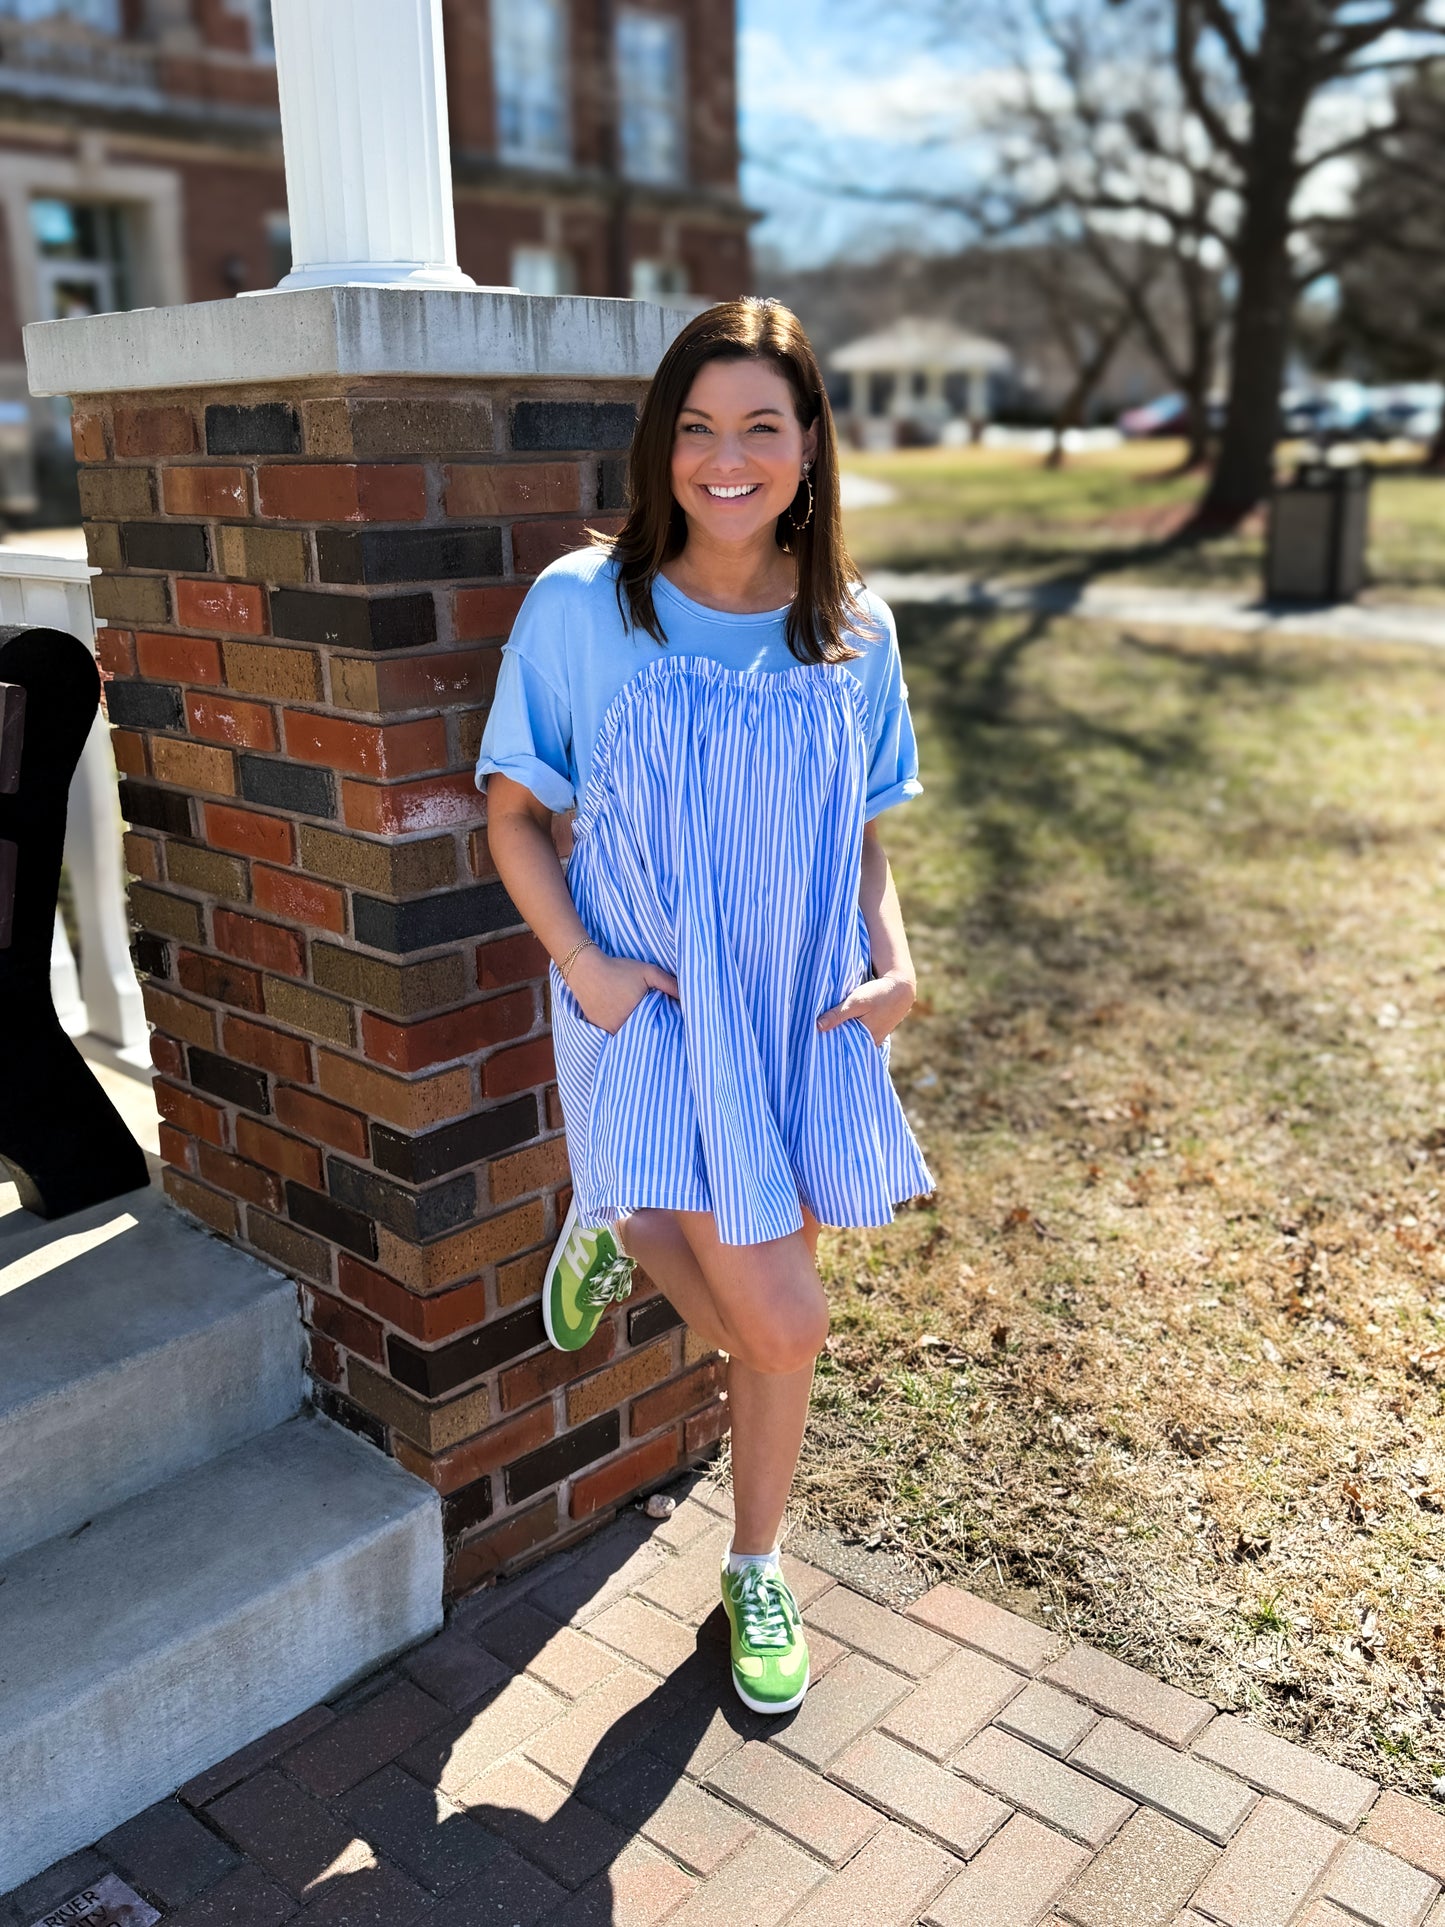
x,y
720,837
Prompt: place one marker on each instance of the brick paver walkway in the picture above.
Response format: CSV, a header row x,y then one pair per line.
x,y
570,1750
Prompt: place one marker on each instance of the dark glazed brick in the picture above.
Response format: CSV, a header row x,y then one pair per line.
x,y
612,485
432,1374
167,1851
287,786
467,1507
407,555
411,1214
648,1320
316,1212
146,808
236,1083
268,428
151,957
245,1898
549,1463
331,1404
573,424
353,621
145,705
482,1135
426,921
398,1815
276,1823
166,545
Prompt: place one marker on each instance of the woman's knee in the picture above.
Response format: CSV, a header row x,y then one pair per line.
x,y
790,1337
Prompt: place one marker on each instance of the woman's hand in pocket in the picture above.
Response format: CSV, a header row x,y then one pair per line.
x,y
609,989
880,1003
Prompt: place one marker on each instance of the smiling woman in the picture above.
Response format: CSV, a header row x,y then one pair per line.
x,y
723,701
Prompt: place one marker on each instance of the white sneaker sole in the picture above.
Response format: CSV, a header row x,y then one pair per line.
x,y
569,1225
774,1706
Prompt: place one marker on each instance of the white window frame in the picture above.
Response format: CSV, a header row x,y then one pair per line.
x,y
655,279
651,125
531,81
537,269
263,35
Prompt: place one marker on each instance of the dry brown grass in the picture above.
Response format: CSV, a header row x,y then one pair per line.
x,y
1166,1352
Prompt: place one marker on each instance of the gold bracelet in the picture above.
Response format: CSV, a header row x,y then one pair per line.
x,y
576,948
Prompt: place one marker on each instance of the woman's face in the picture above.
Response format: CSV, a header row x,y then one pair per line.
x,y
738,449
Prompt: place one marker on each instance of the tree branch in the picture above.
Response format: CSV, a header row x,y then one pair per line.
x,y
1192,81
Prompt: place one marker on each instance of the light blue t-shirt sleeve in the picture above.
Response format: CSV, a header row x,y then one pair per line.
x,y
893,758
528,733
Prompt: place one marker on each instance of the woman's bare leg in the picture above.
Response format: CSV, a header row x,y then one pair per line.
x,y
764,1306
655,1239
772,1296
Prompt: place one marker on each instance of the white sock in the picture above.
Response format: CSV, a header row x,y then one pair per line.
x,y
737,1560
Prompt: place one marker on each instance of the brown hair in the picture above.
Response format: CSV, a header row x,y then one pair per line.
x,y
825,605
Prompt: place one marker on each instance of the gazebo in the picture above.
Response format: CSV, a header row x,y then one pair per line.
x,y
920,371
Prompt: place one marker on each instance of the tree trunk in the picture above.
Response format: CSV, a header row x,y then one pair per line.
x,y
1196,455
1264,309
1087,376
1436,457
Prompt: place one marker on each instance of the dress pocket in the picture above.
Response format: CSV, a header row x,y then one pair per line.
x,y
563,995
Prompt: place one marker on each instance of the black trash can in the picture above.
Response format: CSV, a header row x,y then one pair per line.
x,y
1318,526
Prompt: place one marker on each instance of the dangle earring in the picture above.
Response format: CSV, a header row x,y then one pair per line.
x,y
796,525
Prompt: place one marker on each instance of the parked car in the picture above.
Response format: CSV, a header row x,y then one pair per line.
x,y
1168,415
1351,411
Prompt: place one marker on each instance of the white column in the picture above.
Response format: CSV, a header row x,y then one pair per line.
x,y
368,158
977,395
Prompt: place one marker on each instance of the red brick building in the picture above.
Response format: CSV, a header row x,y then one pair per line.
x,y
594,146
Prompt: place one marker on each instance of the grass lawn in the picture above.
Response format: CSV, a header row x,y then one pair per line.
x,y
1001,512
1163,1360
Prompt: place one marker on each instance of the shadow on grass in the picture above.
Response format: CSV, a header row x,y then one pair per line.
x,y
1060,563
1075,774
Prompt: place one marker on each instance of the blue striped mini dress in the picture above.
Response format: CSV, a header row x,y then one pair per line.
x,y
719,835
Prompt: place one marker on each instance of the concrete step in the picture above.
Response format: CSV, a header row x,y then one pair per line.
x,y
194,1618
132,1347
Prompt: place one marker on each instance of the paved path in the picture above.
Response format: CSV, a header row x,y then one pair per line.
x,y
1172,608
570,1750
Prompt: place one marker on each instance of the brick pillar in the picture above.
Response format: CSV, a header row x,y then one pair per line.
x,y
306,587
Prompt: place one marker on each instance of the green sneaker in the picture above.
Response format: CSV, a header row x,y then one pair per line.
x,y
585,1273
769,1652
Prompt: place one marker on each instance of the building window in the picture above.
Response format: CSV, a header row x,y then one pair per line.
x,y
258,13
649,91
529,61
103,15
544,270
84,257
655,280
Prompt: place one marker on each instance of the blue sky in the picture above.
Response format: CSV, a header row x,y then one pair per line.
x,y
837,88
851,89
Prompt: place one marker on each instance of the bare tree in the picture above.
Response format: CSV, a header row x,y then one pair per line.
x,y
1389,321
1096,175
1207,127
1089,318
1095,137
1252,76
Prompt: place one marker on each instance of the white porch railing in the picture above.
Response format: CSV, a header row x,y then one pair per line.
x,y
102,996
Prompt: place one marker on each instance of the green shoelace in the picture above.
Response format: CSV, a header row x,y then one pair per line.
x,y
612,1279
764,1604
